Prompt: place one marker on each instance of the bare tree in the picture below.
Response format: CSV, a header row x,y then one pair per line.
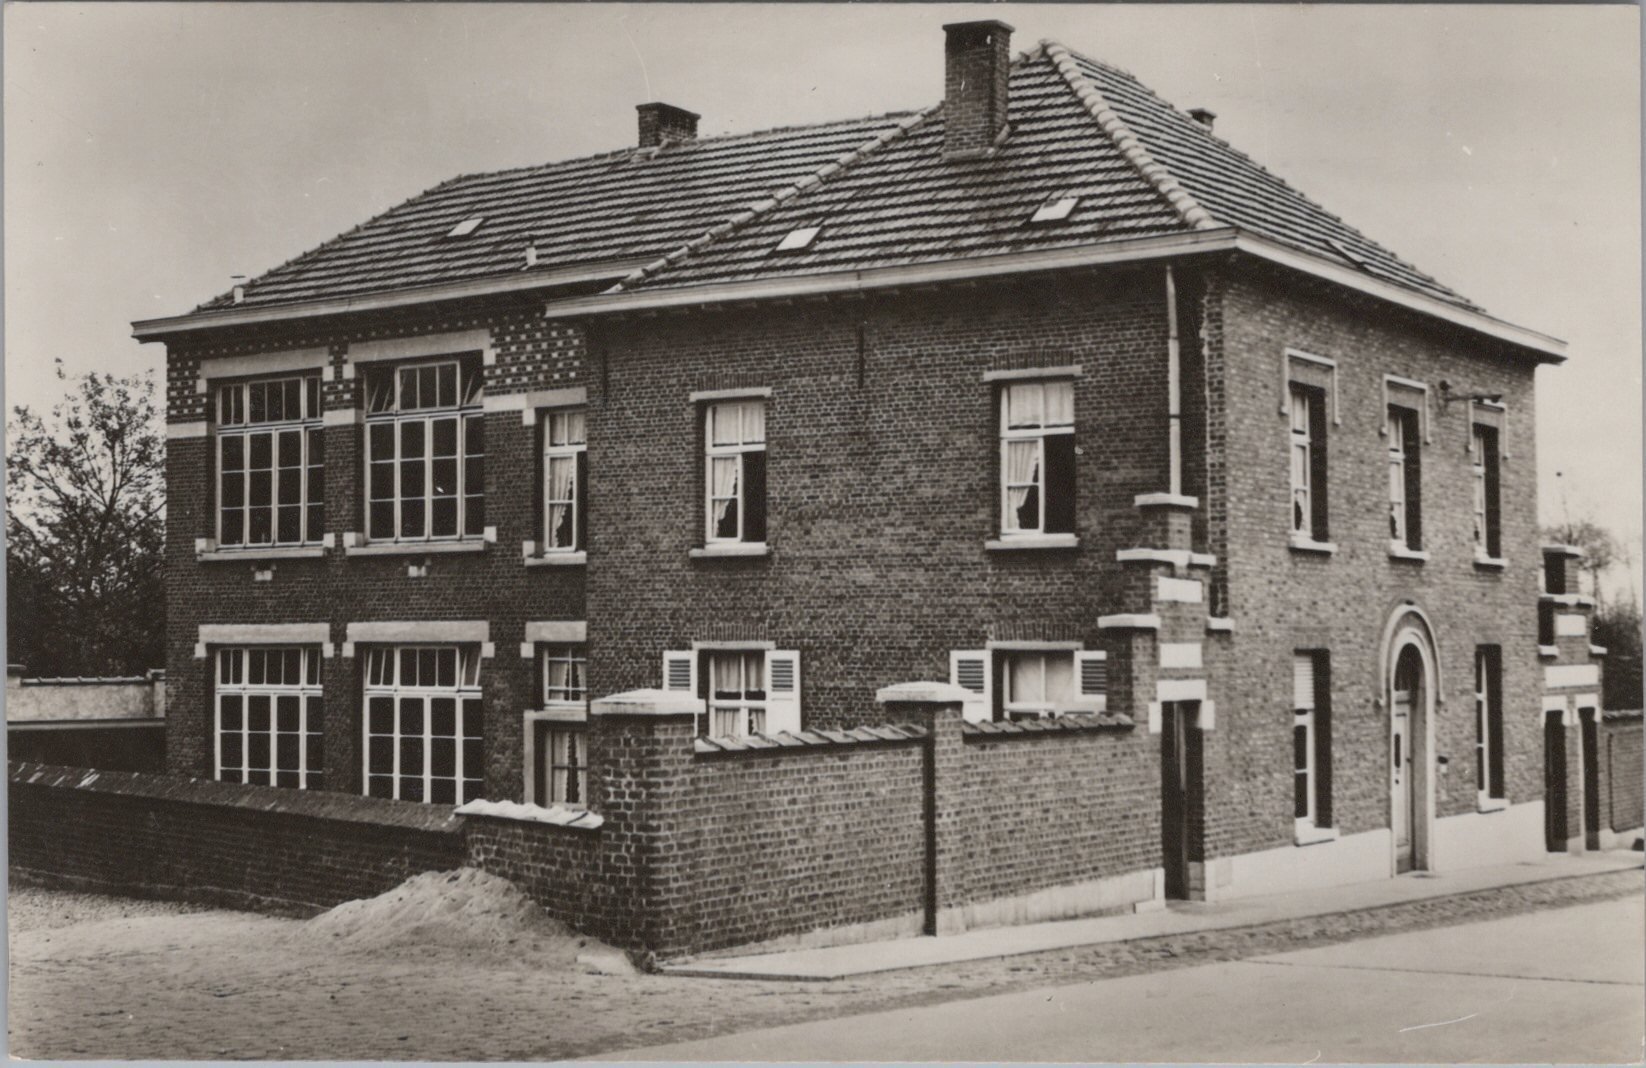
x,y
85,530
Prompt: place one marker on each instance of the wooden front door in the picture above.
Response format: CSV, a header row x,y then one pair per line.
x,y
1591,779
1179,788
1406,714
1554,782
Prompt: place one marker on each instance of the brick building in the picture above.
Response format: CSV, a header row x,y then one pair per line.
x,y
1220,515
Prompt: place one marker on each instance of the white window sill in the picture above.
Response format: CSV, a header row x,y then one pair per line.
x,y
1219,625
735,548
1491,804
415,548
1491,563
577,559
1305,544
1397,551
1010,542
1306,833
1550,652
261,552
574,713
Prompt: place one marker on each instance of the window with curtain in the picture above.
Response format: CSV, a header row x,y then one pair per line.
x,y
270,716
1484,466
1037,458
565,470
734,436
565,675
563,760
1405,479
271,488
425,452
1488,723
1308,462
737,693
423,723
1311,740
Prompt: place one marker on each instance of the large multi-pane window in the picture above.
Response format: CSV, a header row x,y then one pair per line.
x,y
425,452
1488,722
1484,466
269,716
565,675
565,472
1311,740
1405,479
1308,462
423,723
270,454
1037,458
734,436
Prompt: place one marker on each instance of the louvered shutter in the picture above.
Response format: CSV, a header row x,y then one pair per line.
x,y
680,671
1091,680
581,492
782,691
1303,682
970,670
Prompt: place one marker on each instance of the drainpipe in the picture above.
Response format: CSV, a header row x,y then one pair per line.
x,y
1174,387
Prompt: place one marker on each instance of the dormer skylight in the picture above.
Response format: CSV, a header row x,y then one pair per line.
x,y
1054,210
467,226
798,239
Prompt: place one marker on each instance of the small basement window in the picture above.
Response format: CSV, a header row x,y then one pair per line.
x,y
1054,211
798,239
467,226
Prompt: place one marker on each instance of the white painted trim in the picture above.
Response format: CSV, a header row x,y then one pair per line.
x,y
1549,652
1571,625
451,343
289,552
1219,625
1180,690
1165,500
403,632
194,428
1565,676
736,548
565,631
1176,557
1570,600
1012,542
1597,650
414,548
729,394
555,559
1397,551
529,402
1178,591
1156,714
342,417
1028,645
610,271
1556,548
1492,563
1180,655
1425,421
1553,702
1070,370
1484,802
1586,701
1206,716
734,644
263,634
1305,833
1286,381
1129,621
260,363
1304,544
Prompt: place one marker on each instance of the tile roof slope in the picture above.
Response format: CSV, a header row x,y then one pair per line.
x,y
627,204
903,204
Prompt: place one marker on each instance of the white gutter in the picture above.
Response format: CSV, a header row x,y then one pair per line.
x,y
607,271
1552,350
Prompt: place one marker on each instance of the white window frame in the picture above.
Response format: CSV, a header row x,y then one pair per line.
x,y
559,773
974,671
743,715
1010,525
1485,799
570,426
1395,432
734,452
233,409
1303,716
234,674
467,710
1301,410
1013,706
576,656
463,410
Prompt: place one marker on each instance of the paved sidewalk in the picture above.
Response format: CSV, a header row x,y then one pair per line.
x,y
838,962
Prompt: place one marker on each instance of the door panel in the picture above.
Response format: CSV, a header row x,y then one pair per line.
x,y
1554,782
1400,783
1178,788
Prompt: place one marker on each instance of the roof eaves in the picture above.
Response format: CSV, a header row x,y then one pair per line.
x,y
1125,140
805,184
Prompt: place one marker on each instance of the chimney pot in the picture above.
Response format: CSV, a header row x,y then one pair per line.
x,y
1204,116
661,123
977,60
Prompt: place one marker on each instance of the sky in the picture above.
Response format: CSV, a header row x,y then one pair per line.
x,y
154,150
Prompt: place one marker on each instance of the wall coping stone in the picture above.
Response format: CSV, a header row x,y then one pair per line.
x,y
648,703
316,804
1041,728
934,693
1617,715
808,741
578,819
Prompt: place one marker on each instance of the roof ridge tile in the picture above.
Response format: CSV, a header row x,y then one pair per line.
x,y
1127,141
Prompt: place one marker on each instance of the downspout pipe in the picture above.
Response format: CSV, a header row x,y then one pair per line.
x,y
1174,387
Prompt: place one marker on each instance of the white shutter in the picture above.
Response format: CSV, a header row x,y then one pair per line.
x,y
782,691
1091,669
1303,681
970,670
680,671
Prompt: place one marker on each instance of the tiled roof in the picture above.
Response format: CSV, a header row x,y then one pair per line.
x,y
1078,128
630,204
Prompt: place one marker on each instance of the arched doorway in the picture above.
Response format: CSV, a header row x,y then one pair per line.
x,y
1410,684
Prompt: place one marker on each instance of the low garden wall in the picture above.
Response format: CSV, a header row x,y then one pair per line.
x,y
1625,766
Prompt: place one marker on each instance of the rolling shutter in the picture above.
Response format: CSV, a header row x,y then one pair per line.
x,y
782,691
970,671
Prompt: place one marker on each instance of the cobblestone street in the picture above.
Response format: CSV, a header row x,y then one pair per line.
x,y
97,977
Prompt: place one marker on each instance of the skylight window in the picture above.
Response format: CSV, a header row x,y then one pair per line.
x,y
1055,210
798,239
467,226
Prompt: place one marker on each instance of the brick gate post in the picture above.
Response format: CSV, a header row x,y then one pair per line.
x,y
936,706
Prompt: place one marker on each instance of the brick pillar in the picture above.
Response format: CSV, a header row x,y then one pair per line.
x,y
935,706
640,766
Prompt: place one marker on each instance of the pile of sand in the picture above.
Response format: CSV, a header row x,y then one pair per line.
x,y
466,912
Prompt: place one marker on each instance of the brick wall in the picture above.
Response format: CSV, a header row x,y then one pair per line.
x,y
1625,808
240,846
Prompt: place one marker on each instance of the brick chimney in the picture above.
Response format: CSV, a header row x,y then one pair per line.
x,y
1204,116
977,64
665,122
